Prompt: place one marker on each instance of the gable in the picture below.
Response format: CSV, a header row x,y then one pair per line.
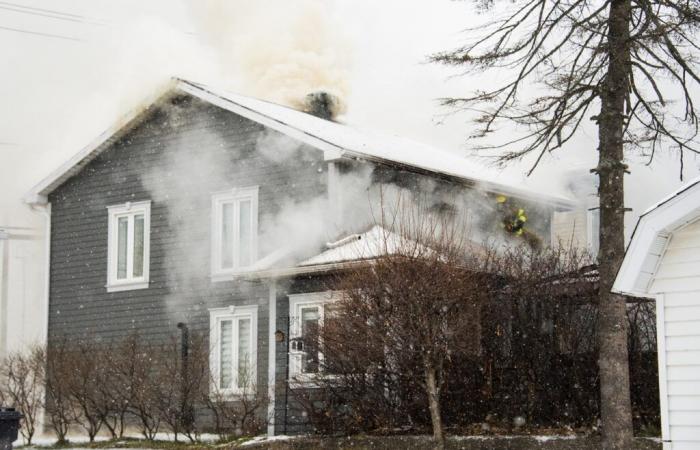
x,y
652,235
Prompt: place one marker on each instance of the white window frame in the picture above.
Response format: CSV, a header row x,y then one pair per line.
x,y
296,303
130,210
593,230
233,313
235,196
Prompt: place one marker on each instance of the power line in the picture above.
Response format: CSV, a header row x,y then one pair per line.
x,y
52,11
34,13
39,33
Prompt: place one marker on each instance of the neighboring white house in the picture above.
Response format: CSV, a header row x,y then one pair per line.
x,y
663,262
22,288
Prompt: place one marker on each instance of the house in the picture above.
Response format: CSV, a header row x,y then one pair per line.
x,y
227,213
663,262
22,286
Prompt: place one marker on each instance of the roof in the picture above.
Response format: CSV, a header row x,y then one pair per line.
x,y
336,140
651,235
371,244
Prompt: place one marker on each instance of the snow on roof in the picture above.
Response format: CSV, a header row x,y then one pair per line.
x,y
371,244
651,235
335,139
354,141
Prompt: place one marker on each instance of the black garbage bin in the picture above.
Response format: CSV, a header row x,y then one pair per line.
x,y
9,427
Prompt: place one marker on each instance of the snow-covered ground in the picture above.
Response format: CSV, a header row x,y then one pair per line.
x,y
47,441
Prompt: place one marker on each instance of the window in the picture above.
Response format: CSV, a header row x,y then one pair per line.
x,y
234,230
307,313
593,230
128,246
233,343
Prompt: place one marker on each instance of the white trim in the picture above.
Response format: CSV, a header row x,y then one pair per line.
x,y
39,193
663,369
593,230
128,210
333,151
296,303
271,358
234,196
233,313
658,222
132,286
300,270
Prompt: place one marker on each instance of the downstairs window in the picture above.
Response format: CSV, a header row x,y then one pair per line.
x,y
233,344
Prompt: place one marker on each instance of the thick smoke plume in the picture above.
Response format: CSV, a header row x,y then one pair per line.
x,y
279,50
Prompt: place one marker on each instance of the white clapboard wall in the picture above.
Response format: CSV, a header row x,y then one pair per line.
x,y
676,283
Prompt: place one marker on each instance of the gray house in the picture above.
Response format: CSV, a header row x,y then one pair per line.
x,y
228,213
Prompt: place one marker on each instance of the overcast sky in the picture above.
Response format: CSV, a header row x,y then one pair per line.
x,y
70,68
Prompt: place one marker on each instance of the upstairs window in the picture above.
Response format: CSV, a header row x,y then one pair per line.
x,y
234,230
233,340
128,246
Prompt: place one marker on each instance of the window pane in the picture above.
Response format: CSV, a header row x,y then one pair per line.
x,y
309,334
245,233
122,232
226,355
244,352
138,245
227,235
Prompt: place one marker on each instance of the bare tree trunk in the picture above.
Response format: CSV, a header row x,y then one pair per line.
x,y
434,405
613,359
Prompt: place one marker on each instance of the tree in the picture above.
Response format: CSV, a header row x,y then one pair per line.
x,y
410,311
634,61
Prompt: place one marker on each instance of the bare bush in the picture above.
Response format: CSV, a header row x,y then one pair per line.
x,y
236,414
399,323
122,362
84,359
177,384
59,405
439,332
23,374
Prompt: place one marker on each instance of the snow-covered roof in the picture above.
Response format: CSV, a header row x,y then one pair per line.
x,y
371,244
335,139
651,236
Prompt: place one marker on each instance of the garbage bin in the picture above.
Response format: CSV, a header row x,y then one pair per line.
x,y
9,426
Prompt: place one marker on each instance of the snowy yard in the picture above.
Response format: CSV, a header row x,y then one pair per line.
x,y
543,442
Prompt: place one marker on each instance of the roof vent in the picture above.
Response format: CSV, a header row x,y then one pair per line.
x,y
322,104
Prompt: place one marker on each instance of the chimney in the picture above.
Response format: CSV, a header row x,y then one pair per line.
x,y
321,104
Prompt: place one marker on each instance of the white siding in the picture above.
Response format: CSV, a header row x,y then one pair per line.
x,y
570,229
677,279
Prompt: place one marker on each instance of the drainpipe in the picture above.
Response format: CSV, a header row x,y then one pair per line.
x,y
45,210
271,357
4,265
186,415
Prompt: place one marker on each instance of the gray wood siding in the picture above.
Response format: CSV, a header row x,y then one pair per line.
x,y
140,167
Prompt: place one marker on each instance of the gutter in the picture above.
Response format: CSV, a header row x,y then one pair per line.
x,y
301,270
488,186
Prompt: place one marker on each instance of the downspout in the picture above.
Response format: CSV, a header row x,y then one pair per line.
x,y
45,210
271,358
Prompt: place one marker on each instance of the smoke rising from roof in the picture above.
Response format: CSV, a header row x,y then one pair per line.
x,y
279,50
